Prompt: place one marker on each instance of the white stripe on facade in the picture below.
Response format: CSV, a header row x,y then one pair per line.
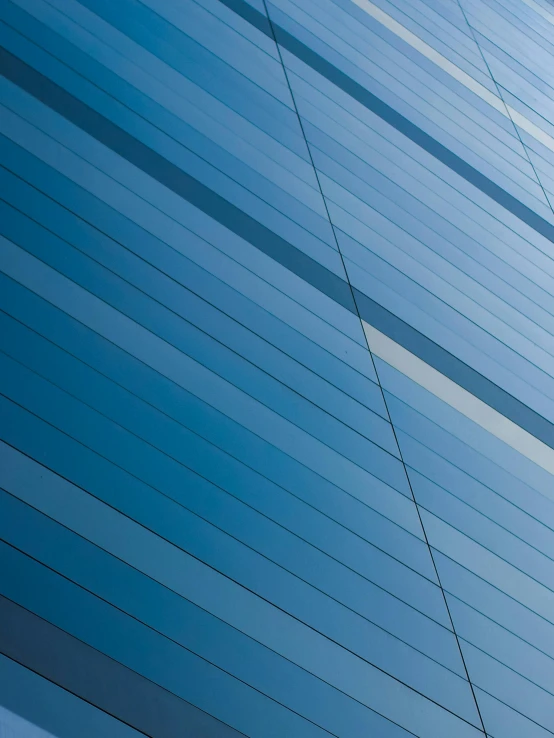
x,y
460,399
454,71
13,726
540,10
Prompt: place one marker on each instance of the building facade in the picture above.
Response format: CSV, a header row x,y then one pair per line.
x,y
277,368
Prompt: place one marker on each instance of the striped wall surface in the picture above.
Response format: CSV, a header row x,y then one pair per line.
x,y
276,368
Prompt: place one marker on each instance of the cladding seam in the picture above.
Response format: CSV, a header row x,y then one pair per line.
x,y
93,649
481,328
358,314
509,110
58,659
269,242
389,323
501,106
165,585
24,498
459,398
376,373
371,102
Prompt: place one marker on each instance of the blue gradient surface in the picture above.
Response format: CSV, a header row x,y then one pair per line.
x,y
277,368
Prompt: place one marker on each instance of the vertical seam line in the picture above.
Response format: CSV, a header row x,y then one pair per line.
x,y
373,363
516,129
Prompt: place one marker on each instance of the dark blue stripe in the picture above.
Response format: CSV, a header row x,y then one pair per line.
x,y
273,245
101,681
455,369
393,118
175,179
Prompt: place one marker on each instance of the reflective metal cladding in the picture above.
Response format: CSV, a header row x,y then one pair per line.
x,y
277,368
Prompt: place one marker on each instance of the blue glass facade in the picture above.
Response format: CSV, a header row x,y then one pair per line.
x,y
277,368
